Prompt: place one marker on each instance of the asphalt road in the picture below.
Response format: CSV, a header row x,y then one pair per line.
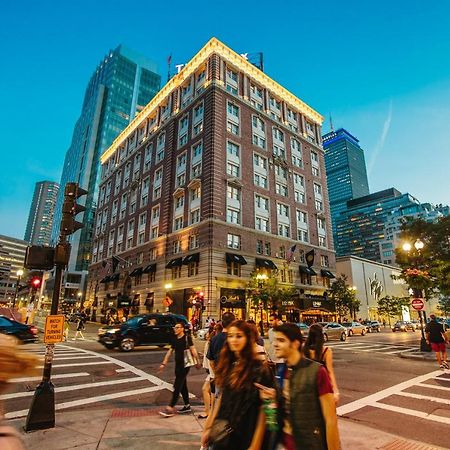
x,y
378,388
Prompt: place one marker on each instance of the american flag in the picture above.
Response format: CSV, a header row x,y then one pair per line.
x,y
290,253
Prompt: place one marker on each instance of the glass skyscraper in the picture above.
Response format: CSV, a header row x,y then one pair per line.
x,y
123,83
346,172
40,219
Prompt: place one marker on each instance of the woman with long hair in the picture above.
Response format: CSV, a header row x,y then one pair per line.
x,y
238,419
315,349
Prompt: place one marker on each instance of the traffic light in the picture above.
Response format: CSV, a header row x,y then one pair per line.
x,y
36,283
70,209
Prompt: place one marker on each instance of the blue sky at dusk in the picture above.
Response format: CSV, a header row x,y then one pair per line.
x,y
381,68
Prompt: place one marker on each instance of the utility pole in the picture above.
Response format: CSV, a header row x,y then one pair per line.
x,y
42,410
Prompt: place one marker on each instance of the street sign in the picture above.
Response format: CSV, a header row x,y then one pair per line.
x,y
418,304
54,329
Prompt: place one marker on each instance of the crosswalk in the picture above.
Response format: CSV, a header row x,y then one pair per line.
x,y
371,347
81,377
425,397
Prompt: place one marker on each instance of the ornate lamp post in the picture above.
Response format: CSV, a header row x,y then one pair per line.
x,y
19,274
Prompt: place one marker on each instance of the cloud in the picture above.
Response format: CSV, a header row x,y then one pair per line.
x,y
382,139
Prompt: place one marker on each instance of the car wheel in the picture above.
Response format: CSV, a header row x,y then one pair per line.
x,y
343,337
325,337
350,332
363,332
393,330
127,344
109,346
378,330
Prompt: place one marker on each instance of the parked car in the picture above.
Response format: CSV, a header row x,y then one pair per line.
x,y
144,329
417,324
355,328
373,325
22,331
403,325
304,329
334,330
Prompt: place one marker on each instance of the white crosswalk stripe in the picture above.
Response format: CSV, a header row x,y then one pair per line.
x,y
132,380
377,347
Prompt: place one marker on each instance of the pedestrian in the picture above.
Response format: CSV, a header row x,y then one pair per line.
x,y
80,326
218,341
384,323
309,419
436,336
13,363
29,313
261,327
66,329
238,419
274,321
315,349
185,357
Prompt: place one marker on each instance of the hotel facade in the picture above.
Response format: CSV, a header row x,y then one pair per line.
x,y
219,176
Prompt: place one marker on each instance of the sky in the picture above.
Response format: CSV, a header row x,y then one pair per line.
x,y
381,69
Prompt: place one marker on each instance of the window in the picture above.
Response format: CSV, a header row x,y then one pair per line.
x,y
193,269
197,170
181,180
299,196
232,170
197,150
154,232
181,160
303,236
193,241
324,262
259,247
262,224
155,212
302,217
256,91
314,157
317,189
260,180
232,109
184,122
283,210
259,141
234,269
195,193
141,237
322,241
197,129
143,219
315,171
233,192
282,251
234,241
278,134
176,246
281,189
232,149
176,272
267,249
178,223
233,216
320,223
281,171
259,161
182,140
157,193
319,205
232,128
198,111
194,216
258,123
262,202
179,202
279,151
297,161
232,75
158,176
284,230
299,180
231,89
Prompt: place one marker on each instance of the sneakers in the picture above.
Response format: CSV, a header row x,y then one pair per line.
x,y
185,409
445,364
167,412
442,367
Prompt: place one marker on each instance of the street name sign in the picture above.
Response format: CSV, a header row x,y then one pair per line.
x,y
54,329
418,304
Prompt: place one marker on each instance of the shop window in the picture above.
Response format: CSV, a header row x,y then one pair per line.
x,y
234,269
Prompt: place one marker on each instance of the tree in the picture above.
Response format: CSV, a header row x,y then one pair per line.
x,y
444,305
392,306
344,298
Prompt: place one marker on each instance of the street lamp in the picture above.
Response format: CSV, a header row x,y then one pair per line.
x,y
418,293
261,277
19,274
79,294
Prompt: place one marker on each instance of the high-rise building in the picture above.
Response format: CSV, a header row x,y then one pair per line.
x,y
221,177
346,171
361,227
123,83
12,257
40,219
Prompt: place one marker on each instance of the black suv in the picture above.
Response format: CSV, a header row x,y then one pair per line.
x,y
144,329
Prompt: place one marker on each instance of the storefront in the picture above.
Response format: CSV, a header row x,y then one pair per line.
x,y
309,309
233,300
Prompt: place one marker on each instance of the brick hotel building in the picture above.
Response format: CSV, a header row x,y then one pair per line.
x,y
218,176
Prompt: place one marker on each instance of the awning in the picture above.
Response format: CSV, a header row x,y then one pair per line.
x,y
136,272
107,279
307,270
114,277
195,257
177,262
233,258
151,268
265,263
326,273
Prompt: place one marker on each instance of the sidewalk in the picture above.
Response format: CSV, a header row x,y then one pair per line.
x,y
141,429
417,355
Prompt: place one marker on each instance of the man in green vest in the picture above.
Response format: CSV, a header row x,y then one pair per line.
x,y
309,409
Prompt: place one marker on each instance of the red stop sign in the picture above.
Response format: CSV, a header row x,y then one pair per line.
x,y
418,304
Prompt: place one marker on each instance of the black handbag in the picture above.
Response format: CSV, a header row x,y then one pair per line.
x,y
220,432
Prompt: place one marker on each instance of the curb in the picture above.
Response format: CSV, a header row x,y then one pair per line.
x,y
424,356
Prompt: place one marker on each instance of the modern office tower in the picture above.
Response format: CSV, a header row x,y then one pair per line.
x,y
346,171
398,216
123,83
218,178
361,227
12,257
40,219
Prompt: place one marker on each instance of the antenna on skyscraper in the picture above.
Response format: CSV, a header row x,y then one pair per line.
x,y
331,123
169,61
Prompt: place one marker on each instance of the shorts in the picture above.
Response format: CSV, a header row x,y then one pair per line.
x,y
438,346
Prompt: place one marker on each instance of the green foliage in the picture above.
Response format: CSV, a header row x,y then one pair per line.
x,y
344,297
433,260
444,305
392,306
